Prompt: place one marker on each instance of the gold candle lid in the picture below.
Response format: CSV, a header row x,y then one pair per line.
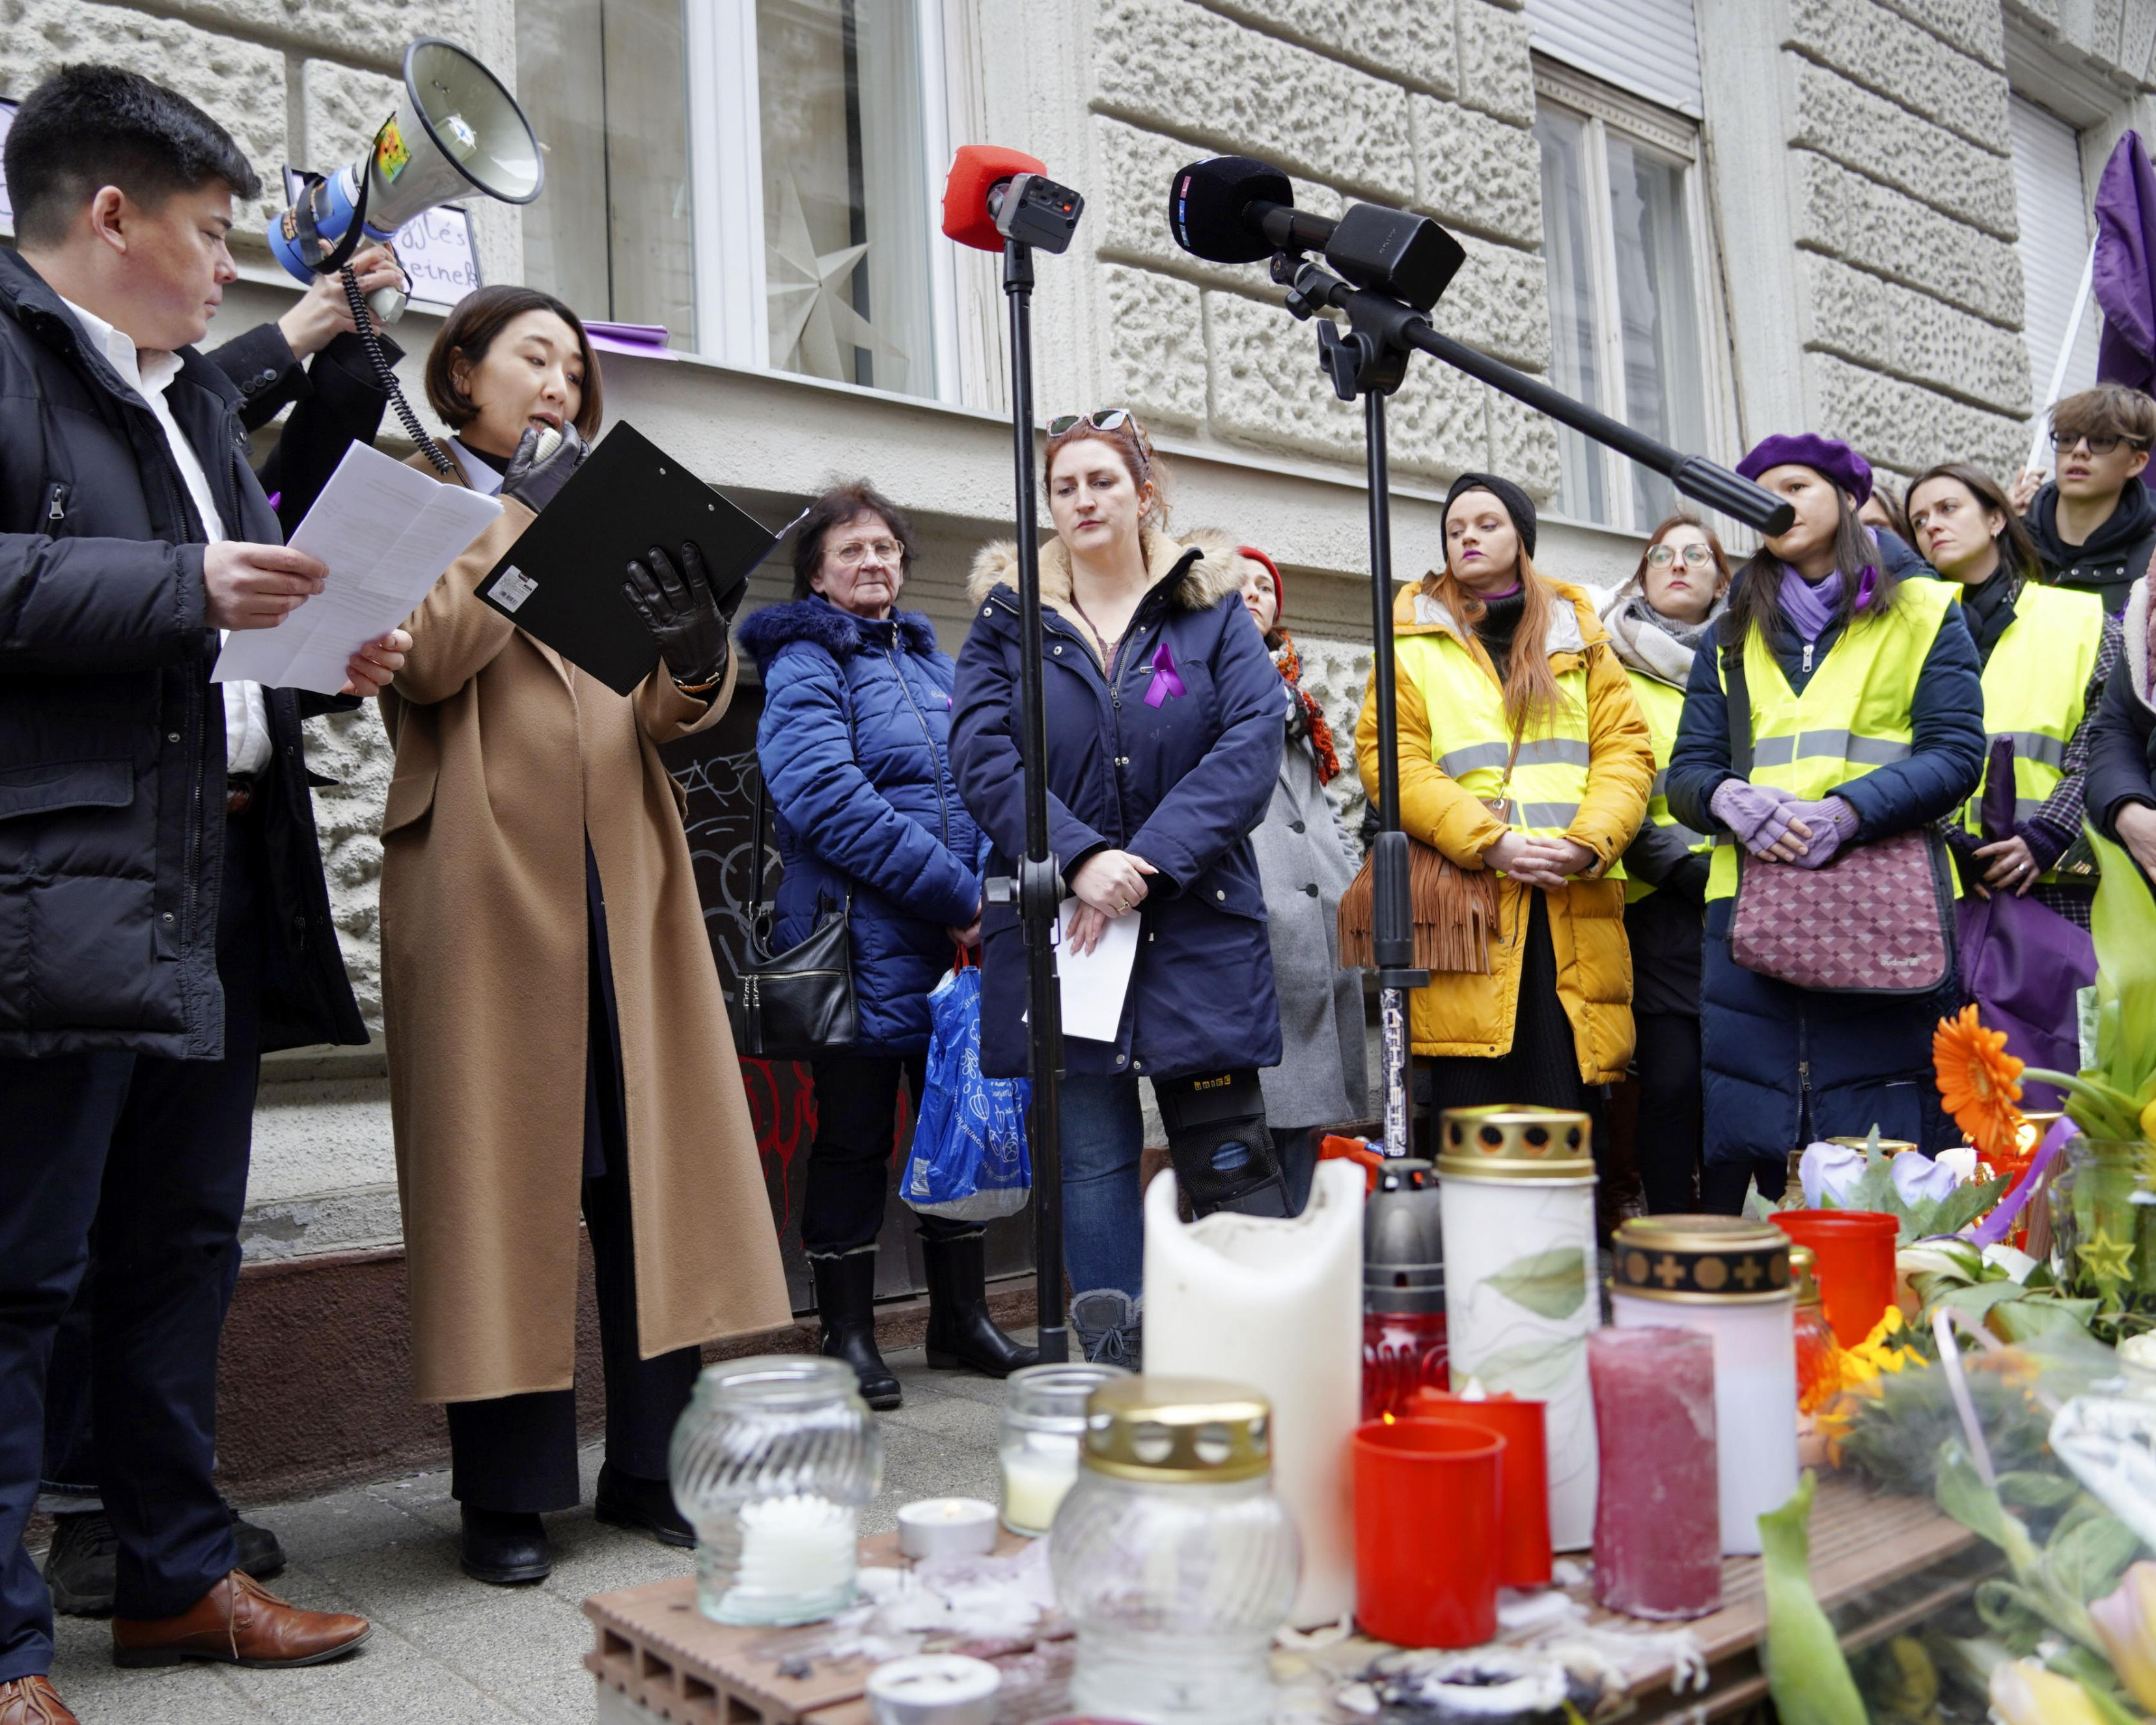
x,y
1178,1431
1506,1143
1887,1147
1801,1271
1699,1260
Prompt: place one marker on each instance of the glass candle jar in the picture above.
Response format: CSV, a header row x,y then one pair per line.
x,y
1819,1372
772,1463
1044,1430
1403,1288
1172,1559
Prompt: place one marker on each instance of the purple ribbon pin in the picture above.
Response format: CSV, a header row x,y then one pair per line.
x,y
1167,681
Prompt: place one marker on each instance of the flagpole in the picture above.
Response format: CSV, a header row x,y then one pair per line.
x,y
2065,355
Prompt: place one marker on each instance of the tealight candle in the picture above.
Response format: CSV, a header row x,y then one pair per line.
x,y
935,1688
798,1556
936,1526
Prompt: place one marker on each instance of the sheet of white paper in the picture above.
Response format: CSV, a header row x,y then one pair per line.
x,y
386,532
1094,983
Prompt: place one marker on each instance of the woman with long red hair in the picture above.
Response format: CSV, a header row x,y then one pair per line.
x,y
1526,765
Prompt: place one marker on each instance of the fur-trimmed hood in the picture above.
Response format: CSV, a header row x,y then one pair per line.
x,y
2135,642
816,619
1205,581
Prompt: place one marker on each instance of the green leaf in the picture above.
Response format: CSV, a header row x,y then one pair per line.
x,y
1875,1188
2037,1491
1966,1203
1977,1299
1806,1673
1529,1369
1976,1506
1551,1283
2009,1613
2026,1319
2122,922
2087,1561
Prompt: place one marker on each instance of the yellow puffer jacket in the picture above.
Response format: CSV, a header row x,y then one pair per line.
x,y
1460,1014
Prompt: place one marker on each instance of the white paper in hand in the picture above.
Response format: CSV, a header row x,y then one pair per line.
x,y
1094,983
386,531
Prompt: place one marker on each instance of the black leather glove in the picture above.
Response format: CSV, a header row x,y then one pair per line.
x,y
533,479
676,603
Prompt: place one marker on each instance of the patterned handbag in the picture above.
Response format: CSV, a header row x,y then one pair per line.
x,y
1878,919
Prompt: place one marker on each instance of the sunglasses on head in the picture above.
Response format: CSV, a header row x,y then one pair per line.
x,y
1102,420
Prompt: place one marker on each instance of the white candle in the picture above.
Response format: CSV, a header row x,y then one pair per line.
x,y
1034,1487
798,1554
935,1526
1277,1305
934,1689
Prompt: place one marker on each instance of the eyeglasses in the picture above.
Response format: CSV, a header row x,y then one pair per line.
x,y
2063,441
1662,556
851,554
1103,419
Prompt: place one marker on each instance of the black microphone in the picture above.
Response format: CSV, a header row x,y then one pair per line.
x,y
1234,209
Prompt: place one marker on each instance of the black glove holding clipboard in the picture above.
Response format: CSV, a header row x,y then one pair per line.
x,y
632,560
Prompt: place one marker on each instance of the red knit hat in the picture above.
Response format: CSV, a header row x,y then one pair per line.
x,y
1280,587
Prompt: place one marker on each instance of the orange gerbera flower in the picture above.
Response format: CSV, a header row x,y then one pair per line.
x,y
1979,1082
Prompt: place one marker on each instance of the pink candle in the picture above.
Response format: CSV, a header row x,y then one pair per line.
x,y
1657,1526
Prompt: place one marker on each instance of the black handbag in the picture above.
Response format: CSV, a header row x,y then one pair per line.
x,y
799,1003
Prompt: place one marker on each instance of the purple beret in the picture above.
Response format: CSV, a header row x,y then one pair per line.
x,y
1827,456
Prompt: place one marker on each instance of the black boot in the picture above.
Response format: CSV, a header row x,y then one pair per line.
x,y
625,1501
845,1309
82,1567
260,1554
962,1336
505,1547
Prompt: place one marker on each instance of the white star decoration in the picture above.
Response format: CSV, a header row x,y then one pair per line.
x,y
810,322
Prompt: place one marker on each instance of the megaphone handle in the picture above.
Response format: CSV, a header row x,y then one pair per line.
x,y
387,304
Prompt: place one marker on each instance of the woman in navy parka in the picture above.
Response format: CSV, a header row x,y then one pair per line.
x,y
871,810
1165,724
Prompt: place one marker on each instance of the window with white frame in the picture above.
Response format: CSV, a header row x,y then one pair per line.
x,y
1624,248
756,175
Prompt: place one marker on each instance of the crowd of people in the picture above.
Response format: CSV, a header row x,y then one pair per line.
x,y
1588,778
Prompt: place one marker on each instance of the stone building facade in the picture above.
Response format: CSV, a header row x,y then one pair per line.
x,y
1842,244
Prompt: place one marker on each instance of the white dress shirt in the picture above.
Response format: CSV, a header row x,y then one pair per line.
x,y
247,746
481,475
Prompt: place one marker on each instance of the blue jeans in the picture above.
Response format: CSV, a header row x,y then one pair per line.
x,y
1103,1208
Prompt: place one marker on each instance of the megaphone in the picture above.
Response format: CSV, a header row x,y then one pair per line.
x,y
455,131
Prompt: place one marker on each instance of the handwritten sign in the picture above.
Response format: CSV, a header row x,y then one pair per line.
x,y
436,248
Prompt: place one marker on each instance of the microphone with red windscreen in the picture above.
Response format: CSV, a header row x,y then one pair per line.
x,y
994,195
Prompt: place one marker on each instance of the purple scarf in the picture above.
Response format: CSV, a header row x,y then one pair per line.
x,y
1809,606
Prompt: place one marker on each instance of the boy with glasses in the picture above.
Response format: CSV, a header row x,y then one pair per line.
x,y
2095,524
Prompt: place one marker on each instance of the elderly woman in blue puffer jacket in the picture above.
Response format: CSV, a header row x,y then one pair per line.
x,y
854,745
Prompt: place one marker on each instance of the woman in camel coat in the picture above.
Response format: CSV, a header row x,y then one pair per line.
x,y
537,904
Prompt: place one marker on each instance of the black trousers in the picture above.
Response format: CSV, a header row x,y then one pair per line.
x,y
1666,1141
518,1453
147,1157
850,1162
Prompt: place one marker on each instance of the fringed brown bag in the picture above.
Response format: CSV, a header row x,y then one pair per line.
x,y
1455,911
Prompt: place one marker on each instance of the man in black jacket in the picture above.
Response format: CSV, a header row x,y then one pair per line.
x,y
311,360
156,935
2095,525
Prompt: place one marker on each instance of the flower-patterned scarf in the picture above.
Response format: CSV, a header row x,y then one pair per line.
x,y
1289,663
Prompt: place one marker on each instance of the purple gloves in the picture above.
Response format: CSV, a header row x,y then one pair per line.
x,y
1833,824
1757,814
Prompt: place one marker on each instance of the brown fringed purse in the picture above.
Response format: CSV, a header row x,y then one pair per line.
x,y
1454,908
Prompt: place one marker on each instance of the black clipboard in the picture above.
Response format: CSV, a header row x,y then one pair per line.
x,y
561,583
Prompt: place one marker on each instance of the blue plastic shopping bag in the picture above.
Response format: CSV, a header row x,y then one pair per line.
x,y
969,1158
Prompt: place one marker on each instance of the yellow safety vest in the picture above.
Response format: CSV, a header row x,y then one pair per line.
x,y
1470,738
1663,708
2035,688
1854,715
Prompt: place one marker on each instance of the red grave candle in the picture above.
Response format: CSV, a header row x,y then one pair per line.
x,y
1523,1486
1658,1537
1426,1539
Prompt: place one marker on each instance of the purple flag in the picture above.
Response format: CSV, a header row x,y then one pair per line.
x,y
2125,275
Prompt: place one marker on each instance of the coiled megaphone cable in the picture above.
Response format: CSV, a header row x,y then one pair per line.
x,y
364,320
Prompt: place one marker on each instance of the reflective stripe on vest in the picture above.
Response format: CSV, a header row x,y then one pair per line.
x,y
1853,715
1663,708
2035,688
1470,737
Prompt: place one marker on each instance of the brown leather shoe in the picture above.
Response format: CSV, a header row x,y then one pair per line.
x,y
238,1622
32,1700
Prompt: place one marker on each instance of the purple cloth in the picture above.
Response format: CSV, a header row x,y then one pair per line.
x,y
1757,814
1826,455
2124,280
1833,824
1810,605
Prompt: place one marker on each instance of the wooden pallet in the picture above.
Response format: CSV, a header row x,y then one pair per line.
x,y
658,1653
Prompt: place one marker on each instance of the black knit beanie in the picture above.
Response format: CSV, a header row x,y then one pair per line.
x,y
1516,502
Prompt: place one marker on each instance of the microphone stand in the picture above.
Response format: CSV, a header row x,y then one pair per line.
x,y
1371,361
1037,885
